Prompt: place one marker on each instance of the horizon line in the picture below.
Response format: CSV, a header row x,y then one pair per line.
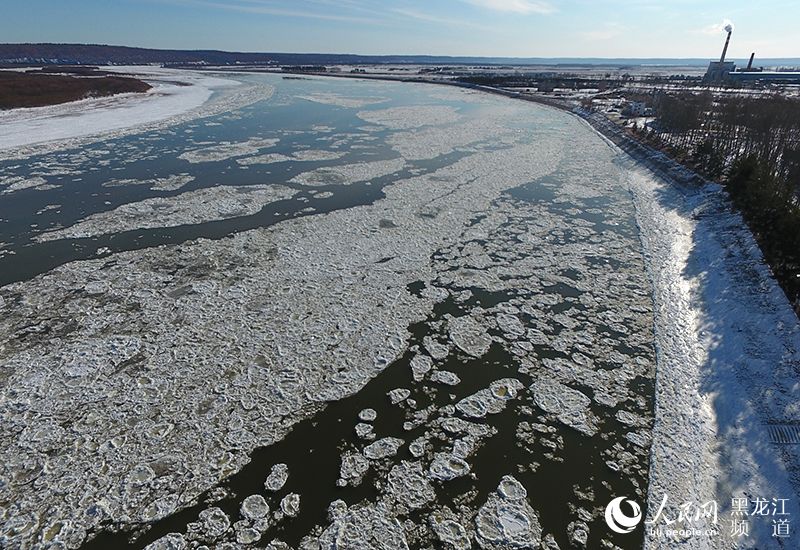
x,y
446,56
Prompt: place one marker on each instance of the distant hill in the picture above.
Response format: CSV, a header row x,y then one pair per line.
x,y
93,54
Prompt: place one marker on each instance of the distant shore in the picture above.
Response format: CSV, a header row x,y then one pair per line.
x,y
42,88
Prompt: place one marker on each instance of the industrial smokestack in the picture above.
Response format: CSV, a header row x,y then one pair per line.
x,y
728,28
750,65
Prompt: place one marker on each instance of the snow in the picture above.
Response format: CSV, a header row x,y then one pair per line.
x,y
728,353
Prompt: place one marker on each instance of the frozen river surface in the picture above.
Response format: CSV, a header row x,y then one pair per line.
x,y
349,315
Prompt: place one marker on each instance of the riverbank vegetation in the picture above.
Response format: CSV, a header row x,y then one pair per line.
x,y
751,145
39,89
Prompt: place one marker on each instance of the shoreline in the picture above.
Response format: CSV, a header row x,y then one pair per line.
x,y
723,341
175,97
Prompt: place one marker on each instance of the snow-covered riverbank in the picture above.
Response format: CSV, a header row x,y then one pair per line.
x,y
728,356
175,96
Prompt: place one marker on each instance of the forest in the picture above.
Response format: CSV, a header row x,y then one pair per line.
x,y
752,145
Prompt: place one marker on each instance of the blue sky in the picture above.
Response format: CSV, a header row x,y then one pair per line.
x,y
524,28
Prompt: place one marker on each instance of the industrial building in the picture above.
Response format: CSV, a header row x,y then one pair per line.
x,y
723,71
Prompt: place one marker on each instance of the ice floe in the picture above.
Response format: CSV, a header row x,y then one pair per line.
x,y
402,118
277,478
254,507
469,336
507,520
366,526
202,205
343,101
383,448
224,151
347,174
10,185
398,394
570,406
290,505
445,467
409,487
352,469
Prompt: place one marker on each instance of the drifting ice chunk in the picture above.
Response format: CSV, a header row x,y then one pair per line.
x,y
510,325
571,407
352,470
420,365
445,377
246,534
173,541
434,348
408,485
368,415
491,400
363,527
254,507
398,395
277,477
290,505
383,448
511,489
469,336
214,522
507,522
365,431
450,532
446,467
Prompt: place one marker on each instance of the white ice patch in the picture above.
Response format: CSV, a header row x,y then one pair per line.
x,y
409,487
361,527
404,118
469,335
193,207
343,101
349,173
224,151
570,406
277,478
10,185
383,448
507,520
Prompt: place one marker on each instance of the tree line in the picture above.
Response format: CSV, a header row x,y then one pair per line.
x,y
752,145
